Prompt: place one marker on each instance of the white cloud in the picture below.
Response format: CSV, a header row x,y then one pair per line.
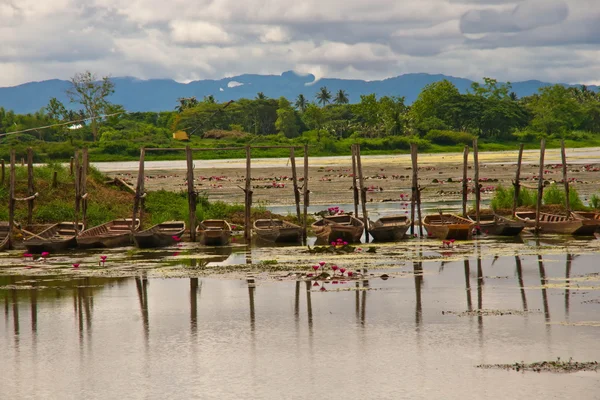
x,y
232,84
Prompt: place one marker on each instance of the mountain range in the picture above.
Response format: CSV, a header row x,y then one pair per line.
x,y
162,94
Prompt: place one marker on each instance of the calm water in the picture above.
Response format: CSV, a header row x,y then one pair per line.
x,y
138,338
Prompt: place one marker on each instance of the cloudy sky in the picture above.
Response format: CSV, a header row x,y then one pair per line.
x,y
552,40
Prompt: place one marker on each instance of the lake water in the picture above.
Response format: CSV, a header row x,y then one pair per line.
x,y
133,337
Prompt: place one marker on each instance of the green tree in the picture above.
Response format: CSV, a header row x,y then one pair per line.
x,y
286,119
434,107
314,118
554,110
185,103
261,96
301,103
341,97
491,89
323,96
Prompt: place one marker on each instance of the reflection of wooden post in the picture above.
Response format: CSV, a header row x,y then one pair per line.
x,y
517,183
540,193
418,275
297,301
139,190
363,192
194,305
543,284
309,305
85,163
354,186
191,193
251,289
468,284
306,200
295,182
465,185
248,198
30,186
521,284
565,180
11,199
568,283
477,186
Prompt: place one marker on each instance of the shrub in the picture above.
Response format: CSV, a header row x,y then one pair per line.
x,y
449,137
595,201
554,195
503,198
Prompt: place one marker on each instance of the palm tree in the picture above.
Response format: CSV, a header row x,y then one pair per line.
x,y
323,96
301,103
513,96
185,103
209,99
260,96
341,97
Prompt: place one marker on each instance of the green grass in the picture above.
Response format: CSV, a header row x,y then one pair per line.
x,y
503,198
554,195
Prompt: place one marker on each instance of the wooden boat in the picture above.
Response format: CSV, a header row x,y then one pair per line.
x,y
558,224
214,232
496,225
278,231
389,229
590,221
448,226
115,233
58,237
4,236
334,227
160,235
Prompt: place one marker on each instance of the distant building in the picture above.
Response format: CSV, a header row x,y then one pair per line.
x,y
181,135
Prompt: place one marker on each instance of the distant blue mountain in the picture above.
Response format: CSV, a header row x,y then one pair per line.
x,y
162,94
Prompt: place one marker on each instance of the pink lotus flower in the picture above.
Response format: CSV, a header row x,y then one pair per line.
x,y
176,238
176,254
345,243
333,243
334,268
321,263
45,254
323,289
350,273
233,227
103,258
315,267
334,282
342,270
316,284
29,267
76,265
27,255
309,275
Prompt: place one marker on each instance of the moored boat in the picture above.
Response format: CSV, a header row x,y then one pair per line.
x,y
214,232
343,226
448,226
116,233
160,235
278,231
497,225
4,236
58,237
590,222
389,229
557,224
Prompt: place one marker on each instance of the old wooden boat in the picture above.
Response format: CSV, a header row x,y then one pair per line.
x,y
115,233
389,229
4,236
278,231
448,226
58,237
160,235
558,224
590,222
497,225
214,232
333,227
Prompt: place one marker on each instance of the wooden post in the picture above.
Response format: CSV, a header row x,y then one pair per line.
x,y
295,182
30,186
77,172
517,183
565,180
3,171
414,153
306,199
139,191
11,199
354,186
71,166
248,198
55,179
465,183
85,163
191,193
22,161
540,185
414,189
363,192
477,187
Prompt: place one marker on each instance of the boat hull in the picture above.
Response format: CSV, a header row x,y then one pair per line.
x,y
152,240
209,238
37,246
499,226
448,227
277,231
105,241
388,234
561,225
344,227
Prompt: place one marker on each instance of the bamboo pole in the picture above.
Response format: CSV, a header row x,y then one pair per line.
x,y
540,185
248,197
77,172
465,183
477,186
414,190
30,186
11,199
565,179
71,166
3,171
517,183
191,193
354,186
363,192
85,163
414,150
306,193
139,191
295,183
55,179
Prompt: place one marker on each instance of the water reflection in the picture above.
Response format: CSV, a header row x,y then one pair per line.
x,y
521,284
467,268
195,290
567,284
418,278
141,285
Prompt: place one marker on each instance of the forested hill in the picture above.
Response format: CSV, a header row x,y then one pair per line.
x,y
162,94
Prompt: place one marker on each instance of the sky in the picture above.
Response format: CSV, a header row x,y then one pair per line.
x,y
185,40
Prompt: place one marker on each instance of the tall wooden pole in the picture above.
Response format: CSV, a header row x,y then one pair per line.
x,y
3,171
477,186
517,184
11,199
191,193
139,190
415,155
363,192
465,183
30,186
565,179
414,189
71,166
354,186
540,185
295,183
306,199
248,197
85,164
77,172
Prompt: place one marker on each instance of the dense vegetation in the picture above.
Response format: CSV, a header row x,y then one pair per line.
x,y
441,119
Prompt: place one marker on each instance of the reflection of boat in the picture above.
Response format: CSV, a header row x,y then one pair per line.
x,y
448,226
559,224
163,234
344,226
214,232
390,228
58,237
4,236
497,225
115,233
276,230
